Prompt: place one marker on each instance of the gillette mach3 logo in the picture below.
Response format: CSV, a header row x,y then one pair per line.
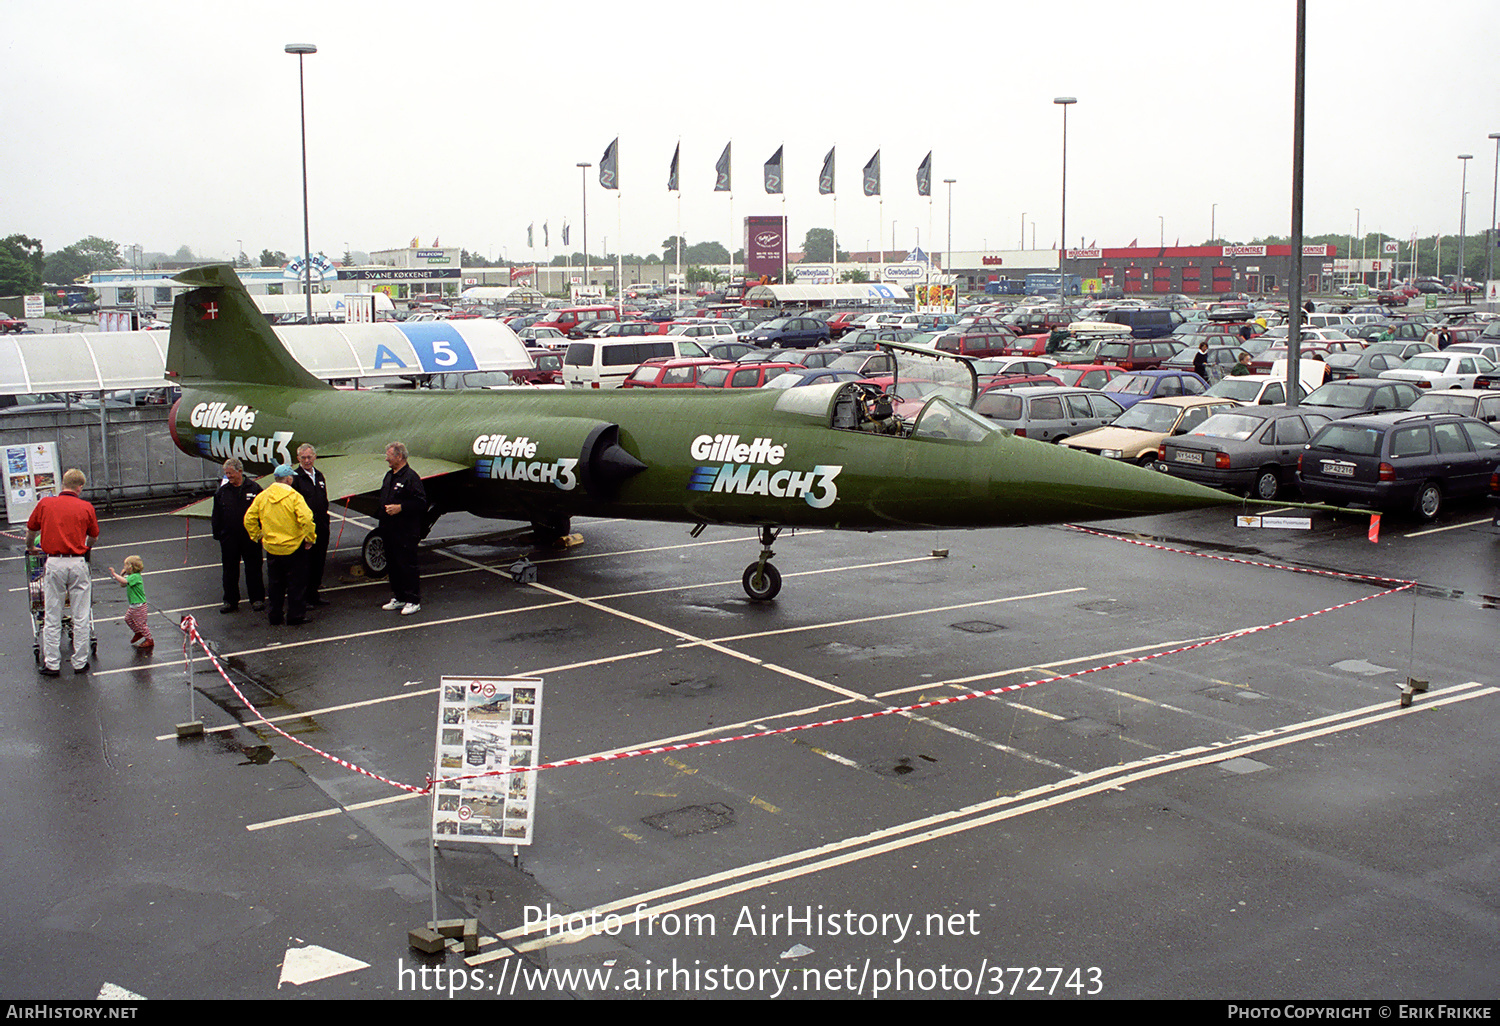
x,y
752,468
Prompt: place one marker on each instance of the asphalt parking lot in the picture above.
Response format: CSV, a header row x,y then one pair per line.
x,y
1247,816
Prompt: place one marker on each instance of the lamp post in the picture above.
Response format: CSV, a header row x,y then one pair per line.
x,y
302,50
1062,237
1463,212
948,256
1023,230
1489,235
583,176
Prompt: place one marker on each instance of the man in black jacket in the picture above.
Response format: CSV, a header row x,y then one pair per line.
x,y
313,487
403,511
231,501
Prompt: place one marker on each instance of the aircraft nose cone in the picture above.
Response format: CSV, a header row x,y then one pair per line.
x,y
1043,483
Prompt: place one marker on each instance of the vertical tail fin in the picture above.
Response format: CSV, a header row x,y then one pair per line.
x,y
218,334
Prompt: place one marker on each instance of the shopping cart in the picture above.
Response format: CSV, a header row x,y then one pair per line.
x,y
36,566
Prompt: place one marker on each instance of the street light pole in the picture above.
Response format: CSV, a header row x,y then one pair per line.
x,y
583,175
1023,231
1489,235
1062,239
948,256
302,50
1463,213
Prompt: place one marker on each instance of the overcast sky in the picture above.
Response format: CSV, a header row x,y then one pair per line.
x,y
171,123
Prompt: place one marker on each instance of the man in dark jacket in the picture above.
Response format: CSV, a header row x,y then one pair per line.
x,y
313,487
233,498
403,512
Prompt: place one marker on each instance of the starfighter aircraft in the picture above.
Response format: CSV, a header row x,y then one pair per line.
x,y
825,456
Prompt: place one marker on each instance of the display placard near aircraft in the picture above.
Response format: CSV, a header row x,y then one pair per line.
x,y
487,732
30,476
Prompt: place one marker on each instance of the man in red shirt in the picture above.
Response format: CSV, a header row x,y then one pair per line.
x,y
68,528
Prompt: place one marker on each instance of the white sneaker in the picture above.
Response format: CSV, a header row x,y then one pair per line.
x,y
411,607
393,604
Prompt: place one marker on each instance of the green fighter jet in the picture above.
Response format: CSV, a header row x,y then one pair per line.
x,y
828,456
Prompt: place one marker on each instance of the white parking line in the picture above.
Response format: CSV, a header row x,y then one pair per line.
x,y
955,821
1450,527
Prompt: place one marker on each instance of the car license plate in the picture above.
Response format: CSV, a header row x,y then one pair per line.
x,y
1183,456
1338,469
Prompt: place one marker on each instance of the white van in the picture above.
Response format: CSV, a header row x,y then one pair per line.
x,y
607,362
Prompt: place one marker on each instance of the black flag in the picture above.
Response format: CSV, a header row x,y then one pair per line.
x,y
609,166
773,172
924,176
872,176
672,175
721,172
825,180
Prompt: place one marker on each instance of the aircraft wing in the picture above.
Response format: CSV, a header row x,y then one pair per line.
x,y
347,476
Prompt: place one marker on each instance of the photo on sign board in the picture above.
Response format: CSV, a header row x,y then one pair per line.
x,y
526,696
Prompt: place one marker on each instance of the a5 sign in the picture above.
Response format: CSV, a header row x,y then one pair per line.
x,y
438,345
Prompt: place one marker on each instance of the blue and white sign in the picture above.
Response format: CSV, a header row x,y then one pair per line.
x,y
439,346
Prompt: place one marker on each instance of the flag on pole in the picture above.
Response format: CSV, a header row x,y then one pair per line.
x,y
545,243
721,172
530,238
872,176
565,233
609,166
773,172
825,180
672,175
924,176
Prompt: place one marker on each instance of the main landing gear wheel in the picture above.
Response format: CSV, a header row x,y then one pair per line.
x,y
372,554
761,580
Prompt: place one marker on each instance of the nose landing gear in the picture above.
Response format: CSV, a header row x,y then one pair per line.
x,y
762,581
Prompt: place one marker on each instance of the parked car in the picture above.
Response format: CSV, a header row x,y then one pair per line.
x,y
741,375
1400,461
1362,395
666,372
1129,389
1481,404
1047,414
1144,322
1254,389
790,333
797,377
1137,433
1447,369
1221,360
1251,450
1084,375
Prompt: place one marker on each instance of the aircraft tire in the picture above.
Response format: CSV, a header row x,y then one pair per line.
x,y
761,585
373,555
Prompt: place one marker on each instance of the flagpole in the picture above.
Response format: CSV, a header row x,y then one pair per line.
x,y
835,237
784,239
678,295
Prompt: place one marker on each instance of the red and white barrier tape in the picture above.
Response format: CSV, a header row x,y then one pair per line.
x,y
190,631
190,634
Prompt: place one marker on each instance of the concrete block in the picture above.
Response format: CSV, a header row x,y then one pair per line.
x,y
424,940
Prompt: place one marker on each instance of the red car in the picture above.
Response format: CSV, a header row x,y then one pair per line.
x,y
743,375
8,323
1028,345
667,372
547,369
1084,375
